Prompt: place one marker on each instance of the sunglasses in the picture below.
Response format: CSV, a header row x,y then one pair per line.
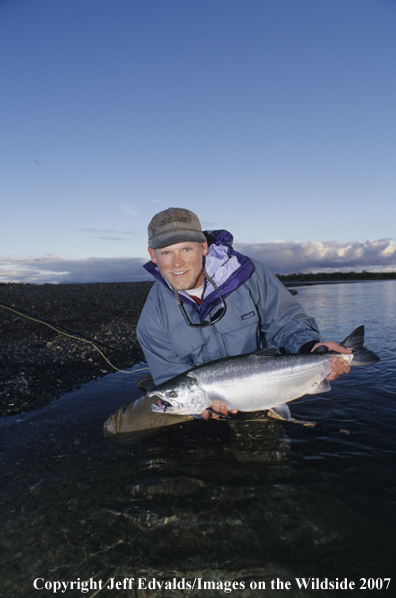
x,y
216,317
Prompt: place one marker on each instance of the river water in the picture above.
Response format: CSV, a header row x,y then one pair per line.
x,y
241,508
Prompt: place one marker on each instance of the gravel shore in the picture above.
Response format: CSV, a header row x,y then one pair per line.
x,y
38,364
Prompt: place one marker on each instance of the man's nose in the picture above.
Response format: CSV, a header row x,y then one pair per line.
x,y
177,260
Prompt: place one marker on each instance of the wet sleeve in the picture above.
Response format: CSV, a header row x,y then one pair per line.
x,y
307,348
161,358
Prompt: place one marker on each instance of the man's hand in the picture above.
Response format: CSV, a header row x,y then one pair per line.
x,y
220,407
338,365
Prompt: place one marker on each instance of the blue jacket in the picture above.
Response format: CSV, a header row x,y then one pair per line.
x,y
261,312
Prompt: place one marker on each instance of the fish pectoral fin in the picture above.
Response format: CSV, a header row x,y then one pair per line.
x,y
280,412
317,388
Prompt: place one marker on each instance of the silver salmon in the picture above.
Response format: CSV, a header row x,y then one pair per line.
x,y
263,380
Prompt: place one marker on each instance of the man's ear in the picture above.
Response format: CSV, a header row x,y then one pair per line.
x,y
204,247
152,255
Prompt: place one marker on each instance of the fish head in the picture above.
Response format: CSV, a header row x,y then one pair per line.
x,y
182,396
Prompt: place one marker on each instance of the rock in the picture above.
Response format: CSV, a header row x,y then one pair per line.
x,y
39,363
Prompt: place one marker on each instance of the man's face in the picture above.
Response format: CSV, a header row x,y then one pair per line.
x,y
181,264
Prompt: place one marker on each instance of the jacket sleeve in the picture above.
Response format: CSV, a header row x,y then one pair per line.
x,y
163,361
283,321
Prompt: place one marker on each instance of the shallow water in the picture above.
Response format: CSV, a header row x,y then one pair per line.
x,y
218,502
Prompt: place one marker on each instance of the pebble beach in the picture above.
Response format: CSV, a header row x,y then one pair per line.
x,y
38,364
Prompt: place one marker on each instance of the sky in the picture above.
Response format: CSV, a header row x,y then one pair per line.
x,y
273,119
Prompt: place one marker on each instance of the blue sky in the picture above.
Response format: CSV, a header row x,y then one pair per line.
x,y
274,119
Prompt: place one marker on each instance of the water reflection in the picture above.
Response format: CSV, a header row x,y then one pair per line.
x,y
241,500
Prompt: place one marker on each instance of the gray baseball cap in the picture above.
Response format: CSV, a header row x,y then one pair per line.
x,y
174,225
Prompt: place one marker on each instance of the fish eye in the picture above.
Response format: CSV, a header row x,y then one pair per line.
x,y
170,394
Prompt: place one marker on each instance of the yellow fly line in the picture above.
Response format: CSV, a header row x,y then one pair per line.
x,y
78,338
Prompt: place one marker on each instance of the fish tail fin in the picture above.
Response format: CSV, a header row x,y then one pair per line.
x,y
361,355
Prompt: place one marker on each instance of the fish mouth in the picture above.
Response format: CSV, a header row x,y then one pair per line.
x,y
161,406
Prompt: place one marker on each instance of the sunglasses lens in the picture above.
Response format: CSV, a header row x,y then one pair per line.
x,y
215,318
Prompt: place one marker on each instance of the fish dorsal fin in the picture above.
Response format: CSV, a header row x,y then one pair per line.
x,y
268,351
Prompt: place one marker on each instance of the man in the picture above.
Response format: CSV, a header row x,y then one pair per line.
x,y
210,301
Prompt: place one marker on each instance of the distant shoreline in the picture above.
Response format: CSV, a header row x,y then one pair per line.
x,y
333,277
315,282
297,278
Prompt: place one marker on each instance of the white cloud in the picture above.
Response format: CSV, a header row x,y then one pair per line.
x,y
52,269
108,231
282,257
317,256
128,210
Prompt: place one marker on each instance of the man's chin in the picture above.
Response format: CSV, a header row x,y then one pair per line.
x,y
179,285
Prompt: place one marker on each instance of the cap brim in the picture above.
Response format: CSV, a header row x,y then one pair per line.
x,y
179,236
